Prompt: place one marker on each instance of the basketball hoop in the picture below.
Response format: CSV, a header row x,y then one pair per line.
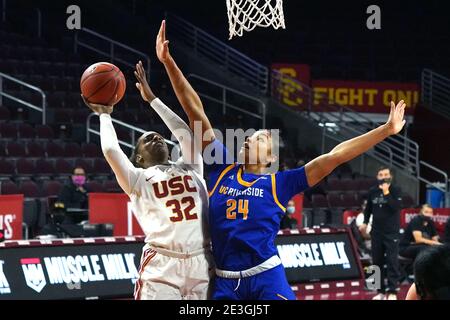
x,y
249,14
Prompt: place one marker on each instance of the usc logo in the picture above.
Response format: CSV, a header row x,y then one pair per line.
x,y
174,187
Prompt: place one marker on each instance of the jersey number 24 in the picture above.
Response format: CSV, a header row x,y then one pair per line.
x,y
234,207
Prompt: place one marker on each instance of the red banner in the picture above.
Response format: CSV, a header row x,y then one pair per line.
x,y
364,96
298,215
300,72
115,209
440,217
349,216
284,86
11,216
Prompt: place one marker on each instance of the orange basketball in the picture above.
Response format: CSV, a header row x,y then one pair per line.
x,y
103,83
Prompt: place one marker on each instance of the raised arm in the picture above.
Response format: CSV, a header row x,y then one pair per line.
x,y
188,98
126,173
189,147
322,166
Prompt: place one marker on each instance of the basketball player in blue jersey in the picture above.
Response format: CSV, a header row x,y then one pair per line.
x,y
247,204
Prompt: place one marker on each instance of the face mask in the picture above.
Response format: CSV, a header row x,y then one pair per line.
x,y
290,210
79,180
427,219
387,180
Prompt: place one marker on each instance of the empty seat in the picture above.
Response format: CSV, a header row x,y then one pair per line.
x,y
334,185
45,167
63,116
2,150
319,201
15,150
80,115
94,186
7,169
25,167
44,132
8,187
32,218
35,150
319,217
112,186
92,150
63,167
72,150
54,150
8,131
52,188
307,203
61,84
365,184
335,200
349,184
26,131
349,200
101,167
5,115
29,189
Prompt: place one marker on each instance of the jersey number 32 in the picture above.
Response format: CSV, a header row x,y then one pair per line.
x,y
180,214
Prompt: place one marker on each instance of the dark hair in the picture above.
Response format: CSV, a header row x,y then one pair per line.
x,y
381,168
431,272
78,167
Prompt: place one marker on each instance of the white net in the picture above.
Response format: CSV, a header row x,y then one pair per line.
x,y
246,15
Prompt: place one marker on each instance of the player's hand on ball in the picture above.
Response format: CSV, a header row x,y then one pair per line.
x,y
396,120
142,84
162,45
98,108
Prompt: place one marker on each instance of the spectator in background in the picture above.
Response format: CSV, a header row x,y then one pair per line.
x,y
288,221
57,218
431,273
419,234
365,233
383,202
75,195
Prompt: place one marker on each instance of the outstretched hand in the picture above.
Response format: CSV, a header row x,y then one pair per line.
x,y
142,84
396,120
98,108
162,45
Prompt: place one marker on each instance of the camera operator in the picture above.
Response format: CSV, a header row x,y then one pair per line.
x,y
383,202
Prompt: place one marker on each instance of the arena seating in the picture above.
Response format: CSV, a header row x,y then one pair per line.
x,y
37,159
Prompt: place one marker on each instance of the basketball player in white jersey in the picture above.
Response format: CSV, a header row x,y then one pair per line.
x,y
169,200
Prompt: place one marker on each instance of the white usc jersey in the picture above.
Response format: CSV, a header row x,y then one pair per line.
x,y
170,203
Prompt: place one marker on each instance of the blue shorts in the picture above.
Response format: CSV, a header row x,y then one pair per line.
x,y
268,285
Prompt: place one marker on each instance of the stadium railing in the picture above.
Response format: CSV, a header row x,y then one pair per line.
x,y
399,151
114,50
224,101
436,92
206,45
42,108
90,129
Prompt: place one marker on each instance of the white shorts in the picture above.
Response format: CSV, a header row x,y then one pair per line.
x,y
162,277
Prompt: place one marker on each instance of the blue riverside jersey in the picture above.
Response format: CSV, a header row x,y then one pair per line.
x,y
245,211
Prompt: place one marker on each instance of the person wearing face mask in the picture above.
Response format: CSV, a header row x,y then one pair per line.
x,y
419,234
75,194
383,203
288,221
